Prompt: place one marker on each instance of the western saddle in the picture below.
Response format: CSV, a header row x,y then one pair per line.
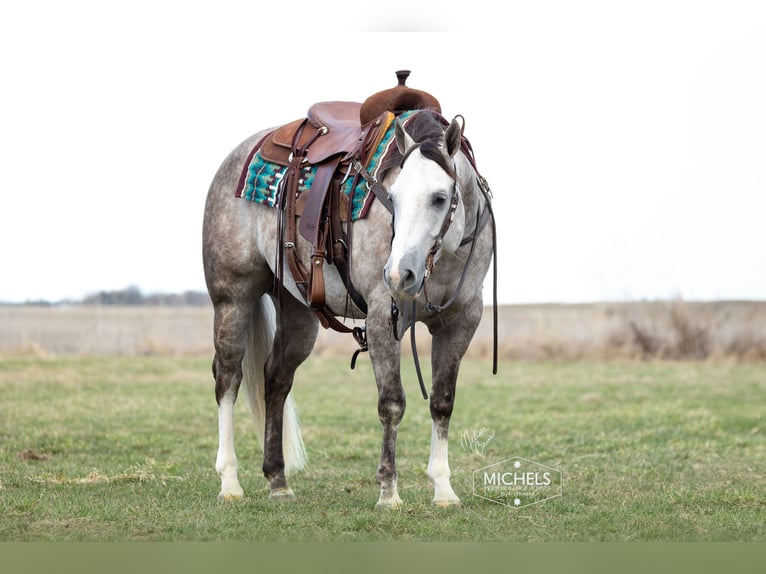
x,y
338,139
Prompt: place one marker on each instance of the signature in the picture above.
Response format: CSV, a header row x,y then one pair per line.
x,y
476,440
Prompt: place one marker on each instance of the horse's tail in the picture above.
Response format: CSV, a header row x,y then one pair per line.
x,y
260,337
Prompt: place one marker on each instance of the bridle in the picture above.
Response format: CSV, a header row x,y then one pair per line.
x,y
448,219
483,216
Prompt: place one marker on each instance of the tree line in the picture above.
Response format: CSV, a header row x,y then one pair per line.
x,y
134,296
128,296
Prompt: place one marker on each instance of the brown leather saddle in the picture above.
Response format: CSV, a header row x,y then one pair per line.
x,y
329,137
332,137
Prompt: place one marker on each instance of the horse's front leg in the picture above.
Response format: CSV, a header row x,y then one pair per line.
x,y
450,342
442,402
385,353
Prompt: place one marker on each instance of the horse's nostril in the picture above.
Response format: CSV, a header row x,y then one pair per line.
x,y
401,276
408,277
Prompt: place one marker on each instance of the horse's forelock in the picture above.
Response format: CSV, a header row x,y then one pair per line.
x,y
432,150
425,125
426,128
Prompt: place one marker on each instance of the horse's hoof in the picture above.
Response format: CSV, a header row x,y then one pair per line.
x,y
282,494
449,503
231,496
392,504
230,488
231,492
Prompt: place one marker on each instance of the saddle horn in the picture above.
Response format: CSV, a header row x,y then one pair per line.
x,y
400,98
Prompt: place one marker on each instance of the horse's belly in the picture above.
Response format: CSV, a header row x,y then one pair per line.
x,y
337,297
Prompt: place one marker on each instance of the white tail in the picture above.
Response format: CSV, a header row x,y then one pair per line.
x,y
260,337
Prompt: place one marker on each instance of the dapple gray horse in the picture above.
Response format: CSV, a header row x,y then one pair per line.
x,y
418,257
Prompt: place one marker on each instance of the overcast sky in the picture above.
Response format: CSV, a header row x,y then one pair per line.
x,y
625,142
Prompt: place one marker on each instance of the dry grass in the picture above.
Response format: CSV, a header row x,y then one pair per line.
x,y
719,330
105,330
136,473
637,330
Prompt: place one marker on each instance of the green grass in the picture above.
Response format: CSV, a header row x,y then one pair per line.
x,y
113,449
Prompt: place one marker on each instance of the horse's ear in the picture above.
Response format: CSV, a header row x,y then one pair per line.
x,y
403,139
452,137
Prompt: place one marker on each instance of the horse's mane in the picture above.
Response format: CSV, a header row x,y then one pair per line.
x,y
426,128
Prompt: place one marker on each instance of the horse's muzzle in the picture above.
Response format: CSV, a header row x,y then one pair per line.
x,y
404,278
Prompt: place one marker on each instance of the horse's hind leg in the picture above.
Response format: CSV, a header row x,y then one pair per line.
x,y
450,342
296,333
229,326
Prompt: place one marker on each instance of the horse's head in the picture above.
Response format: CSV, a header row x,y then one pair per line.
x,y
428,213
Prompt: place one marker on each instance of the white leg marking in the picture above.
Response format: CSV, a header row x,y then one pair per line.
x,y
226,461
439,473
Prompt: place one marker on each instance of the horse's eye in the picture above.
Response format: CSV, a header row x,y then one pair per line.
x,y
438,199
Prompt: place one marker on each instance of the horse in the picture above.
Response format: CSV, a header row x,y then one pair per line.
x,y
435,246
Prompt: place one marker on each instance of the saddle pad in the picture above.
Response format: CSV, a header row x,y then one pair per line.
x,y
262,178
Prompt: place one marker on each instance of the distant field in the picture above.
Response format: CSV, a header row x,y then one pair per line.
x,y
639,330
123,448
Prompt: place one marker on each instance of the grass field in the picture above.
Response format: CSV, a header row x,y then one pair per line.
x,y
122,449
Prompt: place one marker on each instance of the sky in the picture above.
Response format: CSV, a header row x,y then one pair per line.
x,y
624,142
